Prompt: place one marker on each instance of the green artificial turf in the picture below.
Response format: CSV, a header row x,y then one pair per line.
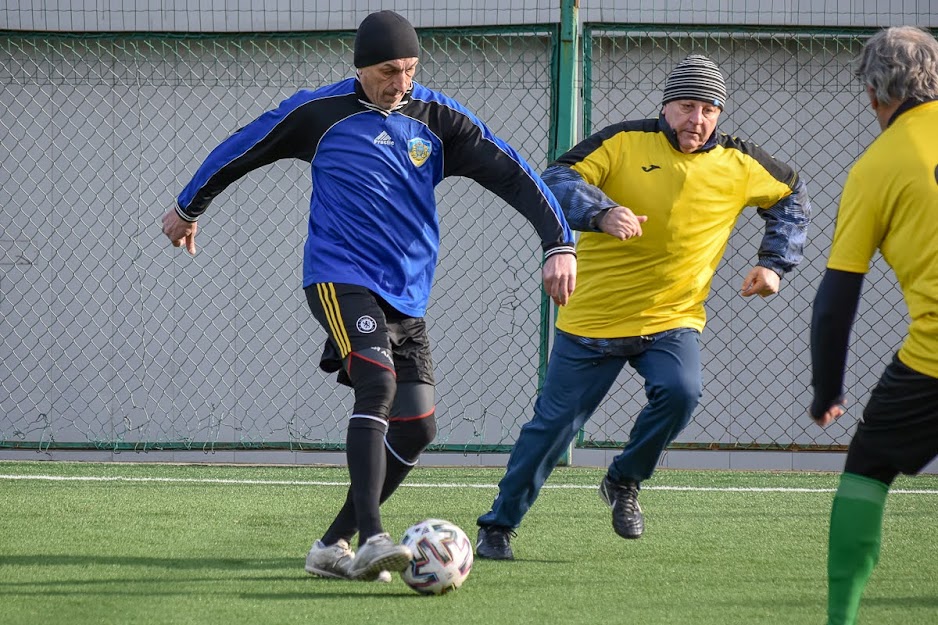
x,y
205,544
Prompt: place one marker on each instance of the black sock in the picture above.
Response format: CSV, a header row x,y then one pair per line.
x,y
345,525
408,440
367,467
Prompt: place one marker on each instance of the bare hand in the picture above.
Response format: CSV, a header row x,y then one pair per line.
x,y
830,415
560,277
620,222
760,281
179,231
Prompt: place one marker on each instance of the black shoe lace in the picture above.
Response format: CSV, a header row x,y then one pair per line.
x,y
629,498
626,498
500,536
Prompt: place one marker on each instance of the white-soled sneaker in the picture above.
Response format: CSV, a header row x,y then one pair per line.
x,y
330,561
379,553
381,576
335,561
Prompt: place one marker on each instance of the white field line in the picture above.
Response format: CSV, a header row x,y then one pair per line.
x,y
193,480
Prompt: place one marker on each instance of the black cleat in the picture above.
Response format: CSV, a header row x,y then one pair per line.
x,y
627,519
494,543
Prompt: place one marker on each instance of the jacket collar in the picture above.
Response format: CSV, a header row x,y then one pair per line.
x,y
908,105
669,132
360,93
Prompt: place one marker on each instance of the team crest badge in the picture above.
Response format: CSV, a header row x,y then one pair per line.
x,y
366,324
419,151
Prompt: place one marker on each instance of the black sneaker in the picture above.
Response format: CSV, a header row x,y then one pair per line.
x,y
627,519
494,543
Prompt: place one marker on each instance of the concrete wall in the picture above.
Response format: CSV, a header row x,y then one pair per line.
x,y
295,15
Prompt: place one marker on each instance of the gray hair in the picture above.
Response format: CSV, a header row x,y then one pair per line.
x,y
900,63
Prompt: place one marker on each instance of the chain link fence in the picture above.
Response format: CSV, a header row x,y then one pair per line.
x,y
794,94
113,340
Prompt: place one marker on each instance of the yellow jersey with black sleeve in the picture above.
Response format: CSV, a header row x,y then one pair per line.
x,y
890,203
659,281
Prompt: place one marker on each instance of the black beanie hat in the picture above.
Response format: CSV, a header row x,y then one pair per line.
x,y
696,78
384,36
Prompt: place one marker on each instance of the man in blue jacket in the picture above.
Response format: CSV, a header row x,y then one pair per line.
x,y
378,144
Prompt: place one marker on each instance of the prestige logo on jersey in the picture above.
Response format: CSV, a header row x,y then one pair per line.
x,y
418,150
384,139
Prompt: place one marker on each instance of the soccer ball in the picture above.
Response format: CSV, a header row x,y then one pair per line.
x,y
442,557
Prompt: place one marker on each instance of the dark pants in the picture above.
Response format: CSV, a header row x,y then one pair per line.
x,y
578,378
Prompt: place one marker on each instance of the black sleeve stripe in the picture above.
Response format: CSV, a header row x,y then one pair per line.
x,y
779,170
473,151
592,143
296,135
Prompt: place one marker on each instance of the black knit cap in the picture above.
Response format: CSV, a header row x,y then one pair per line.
x,y
385,36
696,78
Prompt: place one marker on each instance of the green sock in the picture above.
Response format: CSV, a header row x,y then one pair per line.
x,y
855,535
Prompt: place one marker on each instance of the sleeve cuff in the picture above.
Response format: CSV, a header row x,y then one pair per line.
x,y
183,215
560,249
774,265
595,219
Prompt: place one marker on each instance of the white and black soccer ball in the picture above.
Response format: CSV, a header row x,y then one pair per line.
x,y
442,557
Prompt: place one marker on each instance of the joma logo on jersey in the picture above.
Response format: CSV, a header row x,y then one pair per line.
x,y
418,150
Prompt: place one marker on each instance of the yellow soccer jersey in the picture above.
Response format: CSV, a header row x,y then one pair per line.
x,y
659,281
890,203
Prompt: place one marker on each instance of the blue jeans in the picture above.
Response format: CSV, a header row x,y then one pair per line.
x,y
579,375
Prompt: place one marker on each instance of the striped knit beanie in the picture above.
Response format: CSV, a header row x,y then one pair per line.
x,y
696,78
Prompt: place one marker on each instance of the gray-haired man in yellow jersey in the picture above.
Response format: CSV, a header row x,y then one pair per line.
x,y
656,200
889,203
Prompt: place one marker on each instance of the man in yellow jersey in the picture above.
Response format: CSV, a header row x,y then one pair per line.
x,y
656,201
890,204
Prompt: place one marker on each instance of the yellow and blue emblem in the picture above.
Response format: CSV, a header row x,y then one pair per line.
x,y
418,150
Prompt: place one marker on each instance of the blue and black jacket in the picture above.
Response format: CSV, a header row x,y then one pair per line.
x,y
373,217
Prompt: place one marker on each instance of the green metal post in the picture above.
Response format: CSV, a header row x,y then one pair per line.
x,y
567,62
